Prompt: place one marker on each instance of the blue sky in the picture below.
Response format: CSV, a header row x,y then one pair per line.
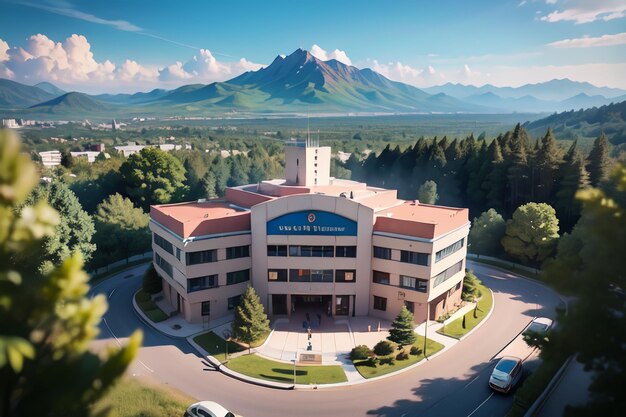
x,y
137,45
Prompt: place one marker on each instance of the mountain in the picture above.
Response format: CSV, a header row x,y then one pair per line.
x,y
72,103
301,82
554,90
50,88
589,123
136,98
16,95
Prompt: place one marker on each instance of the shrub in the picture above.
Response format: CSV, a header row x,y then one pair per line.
x,y
383,348
389,361
142,296
415,350
360,352
445,316
152,283
371,361
402,356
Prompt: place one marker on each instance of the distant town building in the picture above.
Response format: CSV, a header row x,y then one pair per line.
x,y
9,123
98,147
50,158
343,156
90,155
129,150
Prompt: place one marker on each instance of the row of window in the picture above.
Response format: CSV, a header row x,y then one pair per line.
x,y
411,283
406,256
233,302
448,273
207,256
311,275
443,253
163,244
163,264
312,251
210,281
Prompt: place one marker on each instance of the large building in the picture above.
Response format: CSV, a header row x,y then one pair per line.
x,y
311,240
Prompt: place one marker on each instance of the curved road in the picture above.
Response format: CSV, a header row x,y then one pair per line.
x,y
453,383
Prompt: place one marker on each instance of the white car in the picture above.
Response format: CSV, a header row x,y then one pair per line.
x,y
506,374
207,409
539,325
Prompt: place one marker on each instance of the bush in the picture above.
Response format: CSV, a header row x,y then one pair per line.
x,y
371,361
360,352
445,316
415,350
142,297
402,356
383,348
389,361
152,283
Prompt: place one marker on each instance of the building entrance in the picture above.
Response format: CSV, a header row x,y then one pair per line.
x,y
311,307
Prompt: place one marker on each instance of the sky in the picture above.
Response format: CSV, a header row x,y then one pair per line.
x,y
137,45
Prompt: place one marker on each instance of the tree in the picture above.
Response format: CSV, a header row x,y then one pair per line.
x,y
427,192
532,234
121,230
486,233
547,161
402,328
151,282
598,161
470,290
67,160
47,324
207,185
589,266
572,177
250,322
73,233
153,176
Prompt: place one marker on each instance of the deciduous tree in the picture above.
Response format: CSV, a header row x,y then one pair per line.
x,y
486,233
427,192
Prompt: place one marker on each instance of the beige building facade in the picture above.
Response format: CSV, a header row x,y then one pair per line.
x,y
310,241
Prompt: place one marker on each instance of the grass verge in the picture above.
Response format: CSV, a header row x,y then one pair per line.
x,y
456,329
149,307
369,370
216,346
129,398
258,367
534,385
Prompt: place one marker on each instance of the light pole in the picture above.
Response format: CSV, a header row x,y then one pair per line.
x,y
295,359
426,327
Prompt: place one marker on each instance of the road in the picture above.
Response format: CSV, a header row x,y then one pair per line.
x,y
451,384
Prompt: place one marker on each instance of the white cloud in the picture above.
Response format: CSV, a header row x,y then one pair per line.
x,y
337,54
586,11
551,1
588,42
72,65
397,71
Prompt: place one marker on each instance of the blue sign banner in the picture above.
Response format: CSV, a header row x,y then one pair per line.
x,y
312,222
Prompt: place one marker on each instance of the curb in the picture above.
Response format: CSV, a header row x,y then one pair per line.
x,y
552,385
149,322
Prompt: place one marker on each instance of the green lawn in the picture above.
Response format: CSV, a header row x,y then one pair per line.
x,y
456,330
368,371
149,308
128,398
258,367
216,346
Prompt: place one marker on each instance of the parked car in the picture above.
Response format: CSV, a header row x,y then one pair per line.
x,y
506,374
207,409
539,325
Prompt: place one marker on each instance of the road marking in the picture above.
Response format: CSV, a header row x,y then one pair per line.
x,y
120,344
145,366
111,293
481,404
472,381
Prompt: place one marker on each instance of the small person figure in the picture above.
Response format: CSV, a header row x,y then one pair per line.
x,y
309,347
309,333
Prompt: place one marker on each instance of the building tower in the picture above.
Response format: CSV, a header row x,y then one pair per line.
x,y
307,163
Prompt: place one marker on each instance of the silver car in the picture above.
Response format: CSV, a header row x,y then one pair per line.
x,y
506,374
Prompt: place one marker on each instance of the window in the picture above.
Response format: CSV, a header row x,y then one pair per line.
x,y
201,283
276,250
410,305
202,413
178,252
382,253
345,251
237,276
163,244
163,264
417,284
448,273
458,287
202,257
238,252
233,302
321,275
416,258
381,277
299,275
345,275
277,275
311,251
380,303
449,250
206,308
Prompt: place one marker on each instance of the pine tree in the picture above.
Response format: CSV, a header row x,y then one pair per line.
x,y
207,185
572,177
599,162
518,171
495,183
547,160
402,328
250,322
